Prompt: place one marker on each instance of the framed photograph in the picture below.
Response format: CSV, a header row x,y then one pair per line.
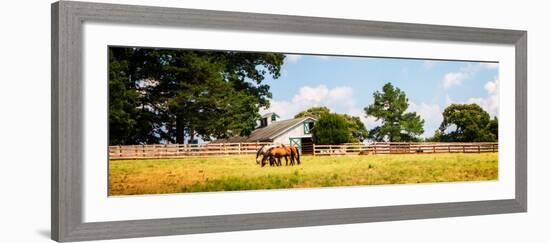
x,y
171,121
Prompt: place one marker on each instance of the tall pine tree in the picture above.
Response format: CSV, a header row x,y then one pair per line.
x,y
164,95
397,125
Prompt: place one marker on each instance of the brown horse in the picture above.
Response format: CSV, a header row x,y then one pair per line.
x,y
274,154
295,154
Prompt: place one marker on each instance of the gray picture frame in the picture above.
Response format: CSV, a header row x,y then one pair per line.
x,y
67,119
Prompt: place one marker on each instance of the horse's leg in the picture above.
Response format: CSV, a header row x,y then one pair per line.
x,y
286,161
279,160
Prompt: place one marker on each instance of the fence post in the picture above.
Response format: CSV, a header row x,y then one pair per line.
x,y
478,148
313,150
463,148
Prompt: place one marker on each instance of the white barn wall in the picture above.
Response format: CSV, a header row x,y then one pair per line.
x,y
297,131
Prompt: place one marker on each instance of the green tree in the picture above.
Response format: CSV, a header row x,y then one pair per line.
x,y
331,128
185,93
357,129
467,123
493,127
314,112
129,121
437,137
397,125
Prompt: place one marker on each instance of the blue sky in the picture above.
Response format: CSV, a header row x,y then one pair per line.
x,y
346,84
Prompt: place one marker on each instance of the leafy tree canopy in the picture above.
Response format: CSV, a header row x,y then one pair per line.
x,y
357,130
397,125
331,128
467,123
167,95
314,112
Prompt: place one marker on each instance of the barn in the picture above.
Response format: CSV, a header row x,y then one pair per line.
x,y
292,131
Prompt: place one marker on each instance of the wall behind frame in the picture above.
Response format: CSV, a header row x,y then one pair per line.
x,y
25,119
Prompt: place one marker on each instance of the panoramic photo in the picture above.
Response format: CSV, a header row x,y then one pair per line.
x,y
183,120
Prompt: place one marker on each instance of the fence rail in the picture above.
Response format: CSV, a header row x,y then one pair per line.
x,y
404,148
181,150
213,149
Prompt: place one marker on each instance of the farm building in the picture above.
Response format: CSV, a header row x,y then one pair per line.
x,y
292,131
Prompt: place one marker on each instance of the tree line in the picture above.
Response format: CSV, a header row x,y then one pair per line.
x,y
461,122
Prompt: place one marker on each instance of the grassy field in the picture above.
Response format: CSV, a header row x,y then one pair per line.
x,y
130,177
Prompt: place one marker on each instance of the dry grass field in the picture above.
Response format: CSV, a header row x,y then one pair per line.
x,y
231,173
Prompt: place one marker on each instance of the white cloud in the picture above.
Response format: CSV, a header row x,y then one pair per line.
x,y
431,113
291,58
369,121
491,86
454,79
311,94
340,93
489,103
338,99
283,108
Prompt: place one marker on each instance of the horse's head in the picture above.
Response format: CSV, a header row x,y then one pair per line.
x,y
258,154
268,153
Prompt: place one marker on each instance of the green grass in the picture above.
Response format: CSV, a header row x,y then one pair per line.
x,y
231,173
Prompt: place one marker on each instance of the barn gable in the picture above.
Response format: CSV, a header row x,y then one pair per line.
x,y
276,130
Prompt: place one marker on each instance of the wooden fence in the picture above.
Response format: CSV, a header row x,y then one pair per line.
x,y
404,148
342,149
181,150
214,149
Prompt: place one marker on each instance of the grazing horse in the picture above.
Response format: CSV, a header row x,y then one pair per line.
x,y
263,151
275,154
295,154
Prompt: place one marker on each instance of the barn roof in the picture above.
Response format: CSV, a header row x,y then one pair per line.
x,y
267,133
